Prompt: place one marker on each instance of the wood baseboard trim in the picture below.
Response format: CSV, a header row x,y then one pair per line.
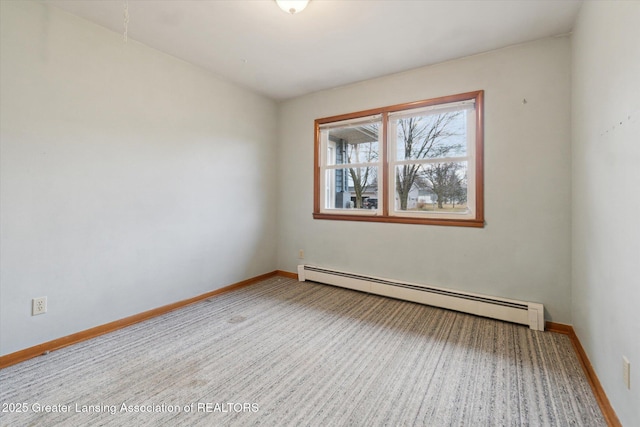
x,y
605,406
287,274
35,351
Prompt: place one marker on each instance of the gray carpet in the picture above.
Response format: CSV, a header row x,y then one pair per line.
x,y
287,353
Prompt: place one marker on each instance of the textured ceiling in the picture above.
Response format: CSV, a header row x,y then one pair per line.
x,y
332,42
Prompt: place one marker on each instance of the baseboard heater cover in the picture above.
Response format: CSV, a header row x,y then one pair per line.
x,y
526,313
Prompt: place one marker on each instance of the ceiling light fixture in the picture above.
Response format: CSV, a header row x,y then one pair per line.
x,y
292,6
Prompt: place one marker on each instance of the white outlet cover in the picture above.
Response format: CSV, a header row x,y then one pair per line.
x,y
38,306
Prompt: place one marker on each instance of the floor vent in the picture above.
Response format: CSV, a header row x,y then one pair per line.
x,y
526,313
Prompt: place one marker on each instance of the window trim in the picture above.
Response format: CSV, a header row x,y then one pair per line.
x,y
478,221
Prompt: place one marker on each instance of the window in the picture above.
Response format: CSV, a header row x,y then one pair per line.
x,y
418,163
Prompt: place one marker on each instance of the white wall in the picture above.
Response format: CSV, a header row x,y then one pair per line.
x,y
606,195
524,250
130,179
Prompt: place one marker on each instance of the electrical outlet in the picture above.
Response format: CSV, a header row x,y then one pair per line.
x,y
301,254
626,372
38,306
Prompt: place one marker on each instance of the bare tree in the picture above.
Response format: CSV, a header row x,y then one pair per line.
x,y
366,152
422,137
443,180
360,176
459,189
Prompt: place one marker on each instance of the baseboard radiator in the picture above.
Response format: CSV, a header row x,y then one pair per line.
x,y
526,313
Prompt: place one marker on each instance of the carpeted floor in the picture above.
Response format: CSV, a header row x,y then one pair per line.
x,y
287,353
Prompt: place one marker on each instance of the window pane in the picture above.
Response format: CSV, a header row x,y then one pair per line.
x,y
352,188
434,187
431,136
354,144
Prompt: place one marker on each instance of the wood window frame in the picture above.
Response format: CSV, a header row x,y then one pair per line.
x,y
477,221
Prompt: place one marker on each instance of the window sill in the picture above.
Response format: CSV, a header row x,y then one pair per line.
x,y
477,223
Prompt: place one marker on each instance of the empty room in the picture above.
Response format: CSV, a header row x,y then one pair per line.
x,y
321,213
